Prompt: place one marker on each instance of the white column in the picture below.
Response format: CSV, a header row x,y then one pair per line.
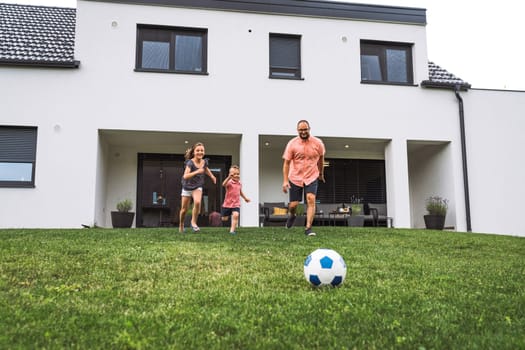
x,y
249,165
398,196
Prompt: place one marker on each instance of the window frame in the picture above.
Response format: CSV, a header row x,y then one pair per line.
x,y
379,49
16,150
276,72
172,32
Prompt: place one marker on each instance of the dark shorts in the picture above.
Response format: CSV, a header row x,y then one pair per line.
x,y
296,192
229,211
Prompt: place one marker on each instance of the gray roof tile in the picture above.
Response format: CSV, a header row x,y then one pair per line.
x,y
439,77
37,34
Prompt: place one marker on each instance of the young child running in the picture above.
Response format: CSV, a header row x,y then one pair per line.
x,y
195,167
232,199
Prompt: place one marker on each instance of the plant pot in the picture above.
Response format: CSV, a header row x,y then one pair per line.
x,y
356,220
434,222
122,219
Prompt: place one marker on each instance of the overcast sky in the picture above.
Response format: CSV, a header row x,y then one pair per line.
x,y
479,41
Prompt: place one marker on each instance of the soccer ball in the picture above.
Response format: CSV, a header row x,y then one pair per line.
x,y
325,267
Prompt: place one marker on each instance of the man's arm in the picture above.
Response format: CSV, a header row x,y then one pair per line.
x,y
320,166
286,171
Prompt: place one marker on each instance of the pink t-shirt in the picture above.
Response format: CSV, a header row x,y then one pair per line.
x,y
303,156
232,199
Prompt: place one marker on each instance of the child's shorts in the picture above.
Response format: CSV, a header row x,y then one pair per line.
x,y
189,193
229,211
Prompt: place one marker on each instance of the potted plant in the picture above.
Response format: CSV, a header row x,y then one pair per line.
x,y
356,218
123,217
437,211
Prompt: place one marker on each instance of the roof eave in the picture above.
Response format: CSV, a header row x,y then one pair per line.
x,y
308,8
40,63
448,86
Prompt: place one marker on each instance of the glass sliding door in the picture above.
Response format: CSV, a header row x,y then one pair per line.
x,y
159,187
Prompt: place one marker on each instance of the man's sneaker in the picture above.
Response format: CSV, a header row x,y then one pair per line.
x,y
309,232
290,221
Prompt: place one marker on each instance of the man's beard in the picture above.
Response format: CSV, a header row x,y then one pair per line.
x,y
304,137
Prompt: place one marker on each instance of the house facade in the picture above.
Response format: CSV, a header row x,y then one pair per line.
x,y
103,108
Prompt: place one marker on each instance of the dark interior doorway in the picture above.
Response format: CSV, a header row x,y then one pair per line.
x,y
159,187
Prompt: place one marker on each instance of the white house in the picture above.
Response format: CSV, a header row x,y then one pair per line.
x,y
98,104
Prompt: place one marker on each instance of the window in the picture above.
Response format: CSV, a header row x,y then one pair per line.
x,y
357,178
386,62
285,56
171,49
17,156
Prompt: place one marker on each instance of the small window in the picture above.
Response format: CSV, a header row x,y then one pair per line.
x,y
171,49
285,56
17,156
386,63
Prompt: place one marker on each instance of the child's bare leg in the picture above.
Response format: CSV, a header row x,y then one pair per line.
x,y
235,221
197,197
185,203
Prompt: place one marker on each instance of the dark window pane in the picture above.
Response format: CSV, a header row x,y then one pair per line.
x,y
396,61
370,68
155,55
188,53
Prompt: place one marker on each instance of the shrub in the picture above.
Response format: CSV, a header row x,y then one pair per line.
x,y
437,205
124,206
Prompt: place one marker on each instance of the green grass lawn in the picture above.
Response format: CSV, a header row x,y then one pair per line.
x,y
158,289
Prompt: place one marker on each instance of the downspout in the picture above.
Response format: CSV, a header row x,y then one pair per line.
x,y
464,156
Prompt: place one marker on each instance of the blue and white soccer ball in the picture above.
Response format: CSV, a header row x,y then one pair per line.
x,y
325,267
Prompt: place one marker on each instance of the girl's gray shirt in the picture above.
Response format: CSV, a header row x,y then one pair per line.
x,y
197,180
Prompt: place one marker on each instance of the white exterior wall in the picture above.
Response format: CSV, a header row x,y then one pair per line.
x,y
495,124
64,190
80,176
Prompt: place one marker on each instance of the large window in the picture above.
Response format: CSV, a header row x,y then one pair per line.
x,y
160,175
171,49
17,156
348,179
383,62
285,56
